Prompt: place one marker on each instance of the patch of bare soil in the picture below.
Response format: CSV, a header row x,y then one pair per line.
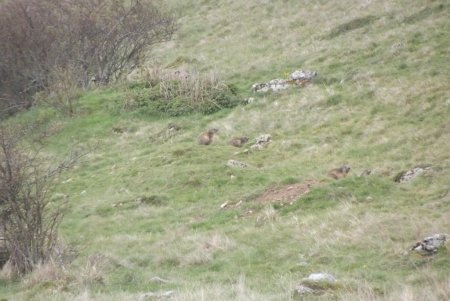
x,y
286,194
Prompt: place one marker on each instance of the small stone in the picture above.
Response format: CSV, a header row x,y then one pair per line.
x,y
322,277
303,290
236,164
303,75
406,176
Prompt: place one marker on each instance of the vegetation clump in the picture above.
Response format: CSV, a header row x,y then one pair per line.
x,y
44,42
178,93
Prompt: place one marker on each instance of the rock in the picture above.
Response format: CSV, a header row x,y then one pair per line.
x,y
261,142
303,290
263,139
303,75
316,283
278,84
298,78
257,87
157,296
236,164
274,85
321,277
430,245
256,147
406,176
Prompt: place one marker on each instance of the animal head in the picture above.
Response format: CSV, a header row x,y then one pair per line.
x,y
212,131
345,169
244,139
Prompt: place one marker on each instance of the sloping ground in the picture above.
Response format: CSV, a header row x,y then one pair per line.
x,y
286,194
380,102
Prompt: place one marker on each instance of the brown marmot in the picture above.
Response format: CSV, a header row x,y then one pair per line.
x,y
339,173
238,141
206,138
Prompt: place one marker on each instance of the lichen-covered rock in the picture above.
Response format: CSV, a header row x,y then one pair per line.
x,y
430,245
303,75
303,290
263,139
274,85
315,283
261,142
406,176
236,164
258,87
322,277
297,78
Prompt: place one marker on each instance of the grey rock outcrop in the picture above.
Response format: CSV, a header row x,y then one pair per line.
x,y
406,176
297,78
303,75
430,245
261,142
274,85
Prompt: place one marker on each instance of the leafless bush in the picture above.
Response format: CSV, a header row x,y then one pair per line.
x,y
28,219
96,40
62,92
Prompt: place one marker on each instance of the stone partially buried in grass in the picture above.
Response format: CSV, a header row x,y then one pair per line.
x,y
408,175
430,245
316,283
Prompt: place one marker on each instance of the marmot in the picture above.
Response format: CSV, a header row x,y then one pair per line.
x,y
239,141
207,137
339,173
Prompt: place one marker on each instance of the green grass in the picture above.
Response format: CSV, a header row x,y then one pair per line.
x,y
144,203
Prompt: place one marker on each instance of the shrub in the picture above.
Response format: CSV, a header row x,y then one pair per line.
x,y
28,219
94,40
181,92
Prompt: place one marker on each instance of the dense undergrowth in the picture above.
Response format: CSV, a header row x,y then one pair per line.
x,y
147,201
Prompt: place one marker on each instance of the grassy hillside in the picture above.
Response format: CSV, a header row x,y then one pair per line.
x,y
146,202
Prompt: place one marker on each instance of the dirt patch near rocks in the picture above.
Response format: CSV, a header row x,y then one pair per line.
x,y
286,194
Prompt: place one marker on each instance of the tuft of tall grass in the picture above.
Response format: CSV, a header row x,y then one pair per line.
x,y
180,92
